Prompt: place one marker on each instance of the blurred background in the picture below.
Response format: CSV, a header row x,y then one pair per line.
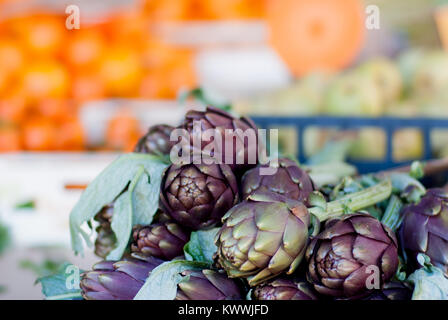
x,y
72,99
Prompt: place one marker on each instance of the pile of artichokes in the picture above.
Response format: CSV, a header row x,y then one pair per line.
x,y
238,234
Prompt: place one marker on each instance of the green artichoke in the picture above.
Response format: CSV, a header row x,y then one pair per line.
x,y
267,234
425,228
105,240
226,125
284,289
156,141
117,280
162,240
207,285
263,237
289,180
197,196
340,257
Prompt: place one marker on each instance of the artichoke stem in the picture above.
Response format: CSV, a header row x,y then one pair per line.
x,y
392,216
355,201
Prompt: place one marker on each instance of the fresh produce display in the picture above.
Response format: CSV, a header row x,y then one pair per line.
x,y
48,73
412,86
183,231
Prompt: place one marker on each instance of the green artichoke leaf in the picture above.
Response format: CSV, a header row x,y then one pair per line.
x,y
200,95
332,151
121,223
407,187
145,198
417,170
62,285
109,185
429,284
330,173
163,280
201,246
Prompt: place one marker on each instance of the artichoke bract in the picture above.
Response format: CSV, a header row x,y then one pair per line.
x,y
207,285
105,240
262,237
156,141
117,280
285,289
342,257
226,125
197,196
289,180
162,240
425,228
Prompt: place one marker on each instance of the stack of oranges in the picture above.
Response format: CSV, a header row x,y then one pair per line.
x,y
48,71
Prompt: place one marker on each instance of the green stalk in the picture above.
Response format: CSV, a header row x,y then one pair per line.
x,y
392,216
354,202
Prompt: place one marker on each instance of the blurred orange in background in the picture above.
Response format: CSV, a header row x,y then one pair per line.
x,y
13,110
10,139
70,135
234,9
168,10
42,35
48,72
39,134
123,132
87,86
11,55
120,70
85,48
45,79
318,35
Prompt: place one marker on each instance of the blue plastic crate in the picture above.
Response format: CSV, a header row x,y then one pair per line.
x,y
388,124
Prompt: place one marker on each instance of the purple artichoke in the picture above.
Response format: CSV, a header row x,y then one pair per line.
x,y
263,237
117,280
289,181
105,240
197,196
425,228
226,125
341,257
285,289
163,240
391,291
156,141
207,285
